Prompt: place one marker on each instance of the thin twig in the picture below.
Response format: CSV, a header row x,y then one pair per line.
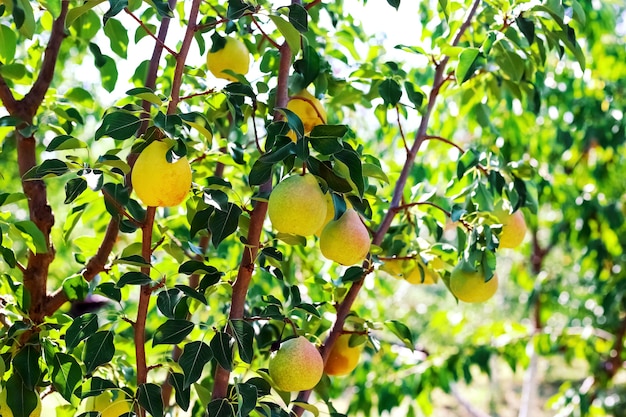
x,y
406,146
203,93
449,142
149,32
429,203
265,35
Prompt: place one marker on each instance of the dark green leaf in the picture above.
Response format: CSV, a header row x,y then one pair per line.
x,y
237,8
247,394
26,364
172,332
133,278
352,161
81,327
200,221
260,173
163,8
335,182
193,267
191,293
109,290
75,287
182,395
244,335
20,399
149,397
48,168
115,6
309,308
394,3
272,253
354,273
220,408
67,375
279,154
97,386
390,92
192,361
222,347
118,125
224,223
468,160
402,331
167,301
74,188
298,17
99,349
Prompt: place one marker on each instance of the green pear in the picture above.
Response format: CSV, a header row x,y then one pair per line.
x,y
468,284
345,240
297,205
297,365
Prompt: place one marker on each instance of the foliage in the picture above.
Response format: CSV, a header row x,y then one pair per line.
x,y
180,307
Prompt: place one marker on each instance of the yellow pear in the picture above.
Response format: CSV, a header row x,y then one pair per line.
x,y
513,226
343,358
345,240
309,110
297,365
468,284
330,213
297,205
158,182
233,56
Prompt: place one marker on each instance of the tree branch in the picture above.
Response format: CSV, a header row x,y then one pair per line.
x,y
158,40
181,57
257,217
344,307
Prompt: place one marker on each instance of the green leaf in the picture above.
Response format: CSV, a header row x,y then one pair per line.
x,y
390,92
30,229
195,267
467,64
120,196
99,350
167,301
290,33
509,62
224,223
352,161
182,395
8,43
26,364
247,395
260,173
65,142
222,347
81,328
237,8
195,356
133,278
20,399
13,71
108,73
76,287
468,160
109,290
118,36
67,375
48,168
354,273
374,171
244,336
199,122
220,407
402,331
96,386
162,7
191,293
527,27
149,397
172,332
53,6
298,17
118,125
115,6
28,25
394,3
10,198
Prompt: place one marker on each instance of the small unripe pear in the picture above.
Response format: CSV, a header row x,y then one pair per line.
x,y
309,109
156,181
297,365
468,284
297,205
346,239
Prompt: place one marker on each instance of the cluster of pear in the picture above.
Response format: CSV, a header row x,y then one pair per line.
x,y
467,282
298,364
298,206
